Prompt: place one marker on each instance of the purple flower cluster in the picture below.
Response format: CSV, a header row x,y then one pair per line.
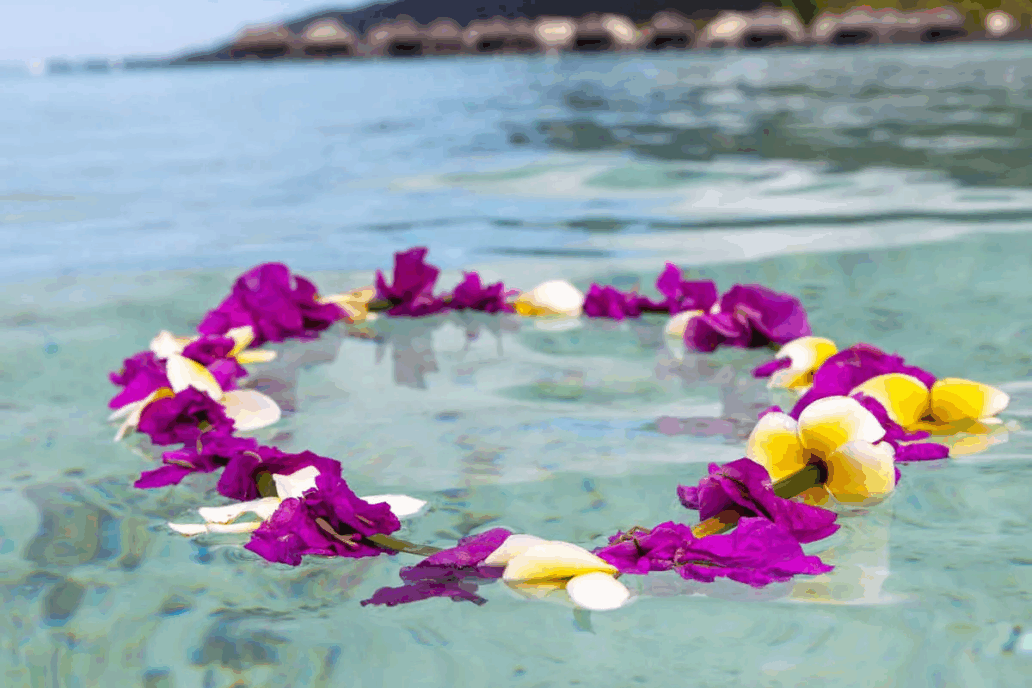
x,y
183,418
749,316
757,552
140,375
410,292
678,293
745,486
275,303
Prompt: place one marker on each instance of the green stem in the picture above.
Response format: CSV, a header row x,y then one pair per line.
x,y
387,542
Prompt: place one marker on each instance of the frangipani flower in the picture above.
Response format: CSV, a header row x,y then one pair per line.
x,y
841,435
540,567
166,344
555,297
355,303
796,362
275,303
949,406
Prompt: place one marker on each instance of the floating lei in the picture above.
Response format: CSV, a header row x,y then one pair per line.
x,y
860,412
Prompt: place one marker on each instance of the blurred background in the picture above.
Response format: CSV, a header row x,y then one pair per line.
x,y
873,161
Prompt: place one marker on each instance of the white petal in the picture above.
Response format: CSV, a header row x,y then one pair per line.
x,y
250,409
124,411
402,506
133,419
242,337
597,591
827,424
183,372
191,529
514,545
296,484
554,560
555,297
167,344
264,508
676,326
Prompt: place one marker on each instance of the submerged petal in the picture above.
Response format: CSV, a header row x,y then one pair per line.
x,y
904,397
555,297
828,423
192,529
954,399
184,372
774,444
263,508
249,409
597,591
861,473
514,545
554,560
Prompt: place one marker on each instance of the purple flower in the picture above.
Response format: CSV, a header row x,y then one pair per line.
x,y
183,418
240,479
411,290
276,304
329,520
750,316
453,573
847,369
757,552
212,352
472,295
609,302
141,374
681,294
207,454
895,434
745,486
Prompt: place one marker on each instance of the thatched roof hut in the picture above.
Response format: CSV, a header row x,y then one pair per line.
x,y
263,41
400,37
501,35
329,38
858,26
760,29
930,26
606,32
444,37
555,33
668,30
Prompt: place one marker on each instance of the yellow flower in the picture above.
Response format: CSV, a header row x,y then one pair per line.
x,y
840,434
558,570
806,355
355,303
952,405
556,297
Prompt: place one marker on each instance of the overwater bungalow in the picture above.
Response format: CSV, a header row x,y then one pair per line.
x,y
329,38
606,32
400,37
761,29
866,26
444,37
503,36
555,33
668,30
264,42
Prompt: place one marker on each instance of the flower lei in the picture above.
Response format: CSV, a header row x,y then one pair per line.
x,y
860,412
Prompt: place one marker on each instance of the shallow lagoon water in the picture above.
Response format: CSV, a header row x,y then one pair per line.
x,y
131,201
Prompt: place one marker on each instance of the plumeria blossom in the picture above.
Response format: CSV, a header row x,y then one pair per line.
x,y
747,316
796,362
306,493
757,552
552,298
745,487
838,433
276,304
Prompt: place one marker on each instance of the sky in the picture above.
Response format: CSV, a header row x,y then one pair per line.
x,y
41,29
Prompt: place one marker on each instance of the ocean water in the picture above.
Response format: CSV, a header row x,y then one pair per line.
x,y
888,188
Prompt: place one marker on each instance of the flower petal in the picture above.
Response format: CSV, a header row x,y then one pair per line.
x,y
133,419
861,473
828,423
192,529
249,409
554,560
774,444
597,591
255,356
184,372
676,325
904,397
556,297
514,545
402,506
263,508
955,399
166,344
295,484
807,354
242,337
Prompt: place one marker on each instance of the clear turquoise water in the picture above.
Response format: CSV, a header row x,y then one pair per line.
x,y
890,192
